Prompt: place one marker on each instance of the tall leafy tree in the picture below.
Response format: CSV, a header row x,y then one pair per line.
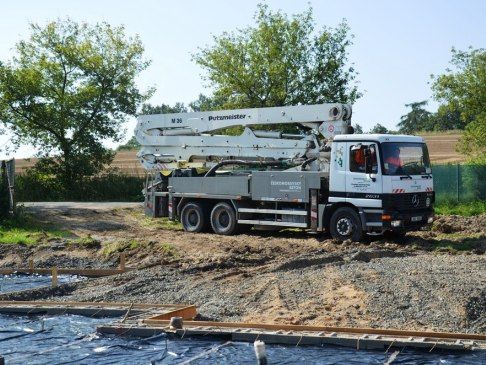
x,y
206,103
69,87
163,108
417,119
463,88
447,117
379,129
281,60
358,129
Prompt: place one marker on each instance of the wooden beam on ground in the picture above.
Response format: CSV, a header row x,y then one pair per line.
x,y
295,338
294,328
99,309
5,303
92,273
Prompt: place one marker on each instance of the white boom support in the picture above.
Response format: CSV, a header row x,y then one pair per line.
x,y
187,139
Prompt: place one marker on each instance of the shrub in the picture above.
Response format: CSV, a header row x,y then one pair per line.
x,y
110,186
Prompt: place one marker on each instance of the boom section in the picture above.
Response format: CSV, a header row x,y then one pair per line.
x,y
192,138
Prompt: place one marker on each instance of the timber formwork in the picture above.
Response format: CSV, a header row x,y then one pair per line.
x,y
296,335
147,320
131,311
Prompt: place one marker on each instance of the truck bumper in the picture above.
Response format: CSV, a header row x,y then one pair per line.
x,y
408,221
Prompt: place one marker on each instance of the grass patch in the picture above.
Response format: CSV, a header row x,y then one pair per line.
x,y
24,229
168,250
86,242
467,244
114,247
156,223
464,209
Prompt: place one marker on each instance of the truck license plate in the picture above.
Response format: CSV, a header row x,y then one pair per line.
x,y
417,219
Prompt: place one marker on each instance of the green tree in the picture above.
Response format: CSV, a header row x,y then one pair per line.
x,y
379,129
447,117
281,60
163,108
132,144
69,87
358,129
464,88
418,119
206,103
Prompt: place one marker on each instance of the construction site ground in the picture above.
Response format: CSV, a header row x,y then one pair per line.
x,y
430,280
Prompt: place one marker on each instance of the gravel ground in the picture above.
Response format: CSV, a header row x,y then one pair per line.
x,y
444,292
429,280
435,292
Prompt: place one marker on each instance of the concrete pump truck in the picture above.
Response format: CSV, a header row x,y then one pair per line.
x,y
319,177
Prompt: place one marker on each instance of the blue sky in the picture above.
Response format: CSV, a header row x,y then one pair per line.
x,y
397,45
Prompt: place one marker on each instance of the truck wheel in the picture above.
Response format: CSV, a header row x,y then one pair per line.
x,y
346,225
223,219
194,218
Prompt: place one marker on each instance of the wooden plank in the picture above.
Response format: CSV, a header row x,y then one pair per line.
x,y
67,271
292,339
126,305
186,313
276,327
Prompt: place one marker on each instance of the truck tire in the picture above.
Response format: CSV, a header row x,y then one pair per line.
x,y
223,219
194,218
346,225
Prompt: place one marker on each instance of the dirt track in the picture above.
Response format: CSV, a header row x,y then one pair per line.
x,y
433,280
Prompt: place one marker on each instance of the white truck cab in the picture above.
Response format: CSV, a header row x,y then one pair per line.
x,y
386,177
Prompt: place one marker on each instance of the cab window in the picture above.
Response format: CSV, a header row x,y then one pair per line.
x,y
357,159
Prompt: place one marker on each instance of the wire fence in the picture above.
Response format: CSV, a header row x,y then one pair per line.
x,y
459,183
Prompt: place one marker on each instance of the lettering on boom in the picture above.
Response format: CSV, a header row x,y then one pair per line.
x,y
227,117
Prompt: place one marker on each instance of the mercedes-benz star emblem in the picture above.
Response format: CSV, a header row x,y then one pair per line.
x,y
415,200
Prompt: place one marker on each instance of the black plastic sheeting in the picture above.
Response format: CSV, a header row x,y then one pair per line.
x,y
71,339
17,282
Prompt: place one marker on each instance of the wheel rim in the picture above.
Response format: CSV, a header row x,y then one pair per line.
x,y
344,226
192,218
224,219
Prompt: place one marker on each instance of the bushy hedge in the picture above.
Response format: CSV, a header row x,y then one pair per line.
x,y
111,186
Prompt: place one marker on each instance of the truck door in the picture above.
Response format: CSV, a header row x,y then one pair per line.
x,y
363,189
339,165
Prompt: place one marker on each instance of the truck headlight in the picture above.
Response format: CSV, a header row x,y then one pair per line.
x,y
430,220
427,202
396,223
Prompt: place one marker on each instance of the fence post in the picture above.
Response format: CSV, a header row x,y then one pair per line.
x,y
457,182
54,276
122,261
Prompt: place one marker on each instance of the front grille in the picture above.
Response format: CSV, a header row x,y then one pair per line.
x,y
406,201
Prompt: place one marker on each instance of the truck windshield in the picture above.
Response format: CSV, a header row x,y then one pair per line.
x,y
404,158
